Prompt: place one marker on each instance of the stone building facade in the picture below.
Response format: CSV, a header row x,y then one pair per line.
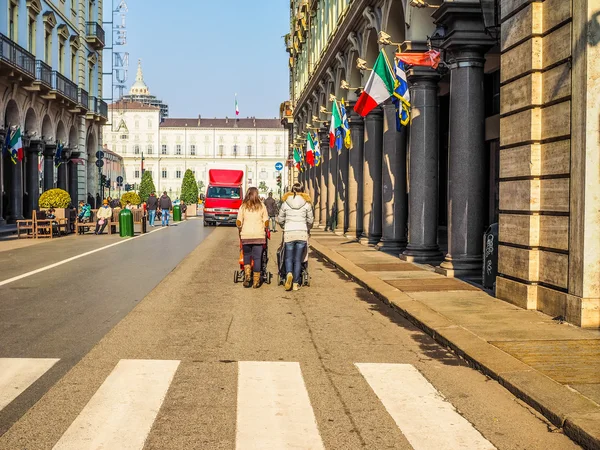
x,y
503,133
50,86
168,148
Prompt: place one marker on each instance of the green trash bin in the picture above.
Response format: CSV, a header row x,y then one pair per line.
x,y
126,223
176,213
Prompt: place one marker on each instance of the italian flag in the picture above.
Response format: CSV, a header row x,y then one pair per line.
x,y
237,109
15,146
336,122
379,87
310,150
297,159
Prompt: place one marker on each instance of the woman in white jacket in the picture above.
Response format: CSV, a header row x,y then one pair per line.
x,y
296,217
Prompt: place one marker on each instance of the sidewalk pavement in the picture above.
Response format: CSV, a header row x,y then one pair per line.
x,y
554,367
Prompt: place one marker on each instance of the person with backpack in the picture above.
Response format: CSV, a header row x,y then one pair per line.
x,y
165,205
296,217
152,206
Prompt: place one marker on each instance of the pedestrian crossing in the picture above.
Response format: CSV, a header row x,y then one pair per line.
x,y
274,409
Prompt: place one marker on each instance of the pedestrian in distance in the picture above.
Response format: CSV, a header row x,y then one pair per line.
x,y
90,200
252,222
296,217
152,206
104,214
183,207
165,205
272,209
98,201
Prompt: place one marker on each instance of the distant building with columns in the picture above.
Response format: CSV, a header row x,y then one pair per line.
x,y
51,86
517,147
167,148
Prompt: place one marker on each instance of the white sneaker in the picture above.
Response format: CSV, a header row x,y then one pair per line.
x,y
296,287
288,282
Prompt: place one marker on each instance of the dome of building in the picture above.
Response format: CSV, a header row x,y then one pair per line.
x,y
139,87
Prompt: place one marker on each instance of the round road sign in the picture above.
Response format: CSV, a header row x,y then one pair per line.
x,y
119,179
279,166
99,163
99,154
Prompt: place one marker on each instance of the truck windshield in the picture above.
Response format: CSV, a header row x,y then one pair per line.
x,y
223,192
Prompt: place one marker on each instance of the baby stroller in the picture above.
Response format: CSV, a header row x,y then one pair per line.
x,y
266,276
281,265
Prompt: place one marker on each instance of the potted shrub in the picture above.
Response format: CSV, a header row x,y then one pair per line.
x,y
132,197
58,199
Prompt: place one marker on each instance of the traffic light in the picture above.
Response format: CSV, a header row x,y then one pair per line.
x,y
108,183
127,188
103,180
279,180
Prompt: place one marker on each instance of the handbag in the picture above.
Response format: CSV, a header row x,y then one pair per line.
x,y
101,222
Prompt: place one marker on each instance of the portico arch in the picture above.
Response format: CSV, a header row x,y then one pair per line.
x,y
12,115
47,133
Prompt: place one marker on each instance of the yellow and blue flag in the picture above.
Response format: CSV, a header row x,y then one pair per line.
x,y
345,126
401,97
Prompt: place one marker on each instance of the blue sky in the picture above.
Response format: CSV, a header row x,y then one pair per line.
x,y
196,54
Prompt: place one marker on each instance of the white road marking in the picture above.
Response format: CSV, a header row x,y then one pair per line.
x,y
17,374
425,417
273,408
122,411
68,260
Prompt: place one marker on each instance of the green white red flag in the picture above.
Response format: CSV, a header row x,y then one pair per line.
x,y
379,87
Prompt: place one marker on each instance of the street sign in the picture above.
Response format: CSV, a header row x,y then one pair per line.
x,y
99,155
119,179
99,163
279,166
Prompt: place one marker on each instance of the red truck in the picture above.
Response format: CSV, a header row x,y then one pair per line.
x,y
223,196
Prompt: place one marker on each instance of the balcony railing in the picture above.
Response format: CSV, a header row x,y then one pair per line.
x,y
83,98
93,103
64,86
95,31
43,73
103,109
16,56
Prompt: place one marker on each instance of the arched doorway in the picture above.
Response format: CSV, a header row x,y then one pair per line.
x,y
12,172
31,168
73,182
92,171
62,171
48,136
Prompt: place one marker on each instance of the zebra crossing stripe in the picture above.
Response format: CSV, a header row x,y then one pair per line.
x,y
424,416
17,374
121,413
273,408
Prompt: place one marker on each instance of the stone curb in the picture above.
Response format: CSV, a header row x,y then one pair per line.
x,y
578,416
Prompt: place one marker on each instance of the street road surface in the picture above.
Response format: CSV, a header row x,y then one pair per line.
x,y
202,363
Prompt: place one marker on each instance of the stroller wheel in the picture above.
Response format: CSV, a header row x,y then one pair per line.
x,y
269,277
236,276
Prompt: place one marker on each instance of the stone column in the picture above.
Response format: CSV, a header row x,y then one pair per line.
x,y
62,181
423,151
16,192
32,178
467,169
49,152
323,202
316,180
332,187
74,178
355,173
342,191
372,156
393,178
